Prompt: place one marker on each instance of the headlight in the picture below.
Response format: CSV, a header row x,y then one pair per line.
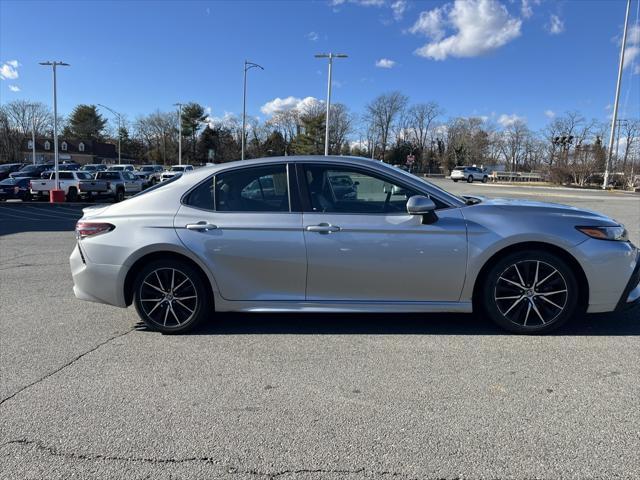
x,y
618,233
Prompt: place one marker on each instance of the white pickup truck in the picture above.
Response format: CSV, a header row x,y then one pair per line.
x,y
69,183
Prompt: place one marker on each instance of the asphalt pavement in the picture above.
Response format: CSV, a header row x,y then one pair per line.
x,y
87,392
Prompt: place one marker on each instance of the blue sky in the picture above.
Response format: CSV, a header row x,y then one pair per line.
x,y
531,58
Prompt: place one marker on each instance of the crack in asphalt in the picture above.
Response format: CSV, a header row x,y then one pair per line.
x,y
209,460
62,367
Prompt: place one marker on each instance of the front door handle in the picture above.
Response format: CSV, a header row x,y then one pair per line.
x,y
323,228
201,226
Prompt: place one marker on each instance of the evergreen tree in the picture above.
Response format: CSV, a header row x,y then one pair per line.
x,y
85,123
193,115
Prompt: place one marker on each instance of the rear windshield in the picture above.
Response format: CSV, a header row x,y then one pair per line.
x,y
108,176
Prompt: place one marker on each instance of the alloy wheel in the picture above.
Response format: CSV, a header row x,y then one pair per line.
x,y
168,297
531,293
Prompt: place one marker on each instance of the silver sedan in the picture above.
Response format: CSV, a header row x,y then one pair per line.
x,y
340,234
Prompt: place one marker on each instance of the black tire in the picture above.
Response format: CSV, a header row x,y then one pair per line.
x,y
456,181
538,308
72,194
485,179
119,195
470,179
178,312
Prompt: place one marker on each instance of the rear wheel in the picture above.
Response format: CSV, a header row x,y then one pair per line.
x,y
485,179
72,194
530,292
119,195
171,297
470,179
455,180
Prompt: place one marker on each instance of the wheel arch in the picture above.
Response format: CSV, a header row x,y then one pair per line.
x,y
139,264
581,277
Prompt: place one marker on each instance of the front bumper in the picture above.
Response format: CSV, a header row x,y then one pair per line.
x,y
96,282
631,295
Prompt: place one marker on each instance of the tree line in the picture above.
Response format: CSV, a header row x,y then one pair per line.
x,y
569,149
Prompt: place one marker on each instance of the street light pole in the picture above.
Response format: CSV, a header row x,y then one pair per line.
x,y
605,183
179,105
119,117
330,56
54,65
247,66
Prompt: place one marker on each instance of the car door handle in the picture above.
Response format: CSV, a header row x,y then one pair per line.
x,y
200,226
323,228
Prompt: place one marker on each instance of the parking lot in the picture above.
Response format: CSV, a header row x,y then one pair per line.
x,y
86,391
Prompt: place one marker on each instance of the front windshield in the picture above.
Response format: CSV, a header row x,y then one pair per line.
x,y
146,169
116,168
8,181
177,169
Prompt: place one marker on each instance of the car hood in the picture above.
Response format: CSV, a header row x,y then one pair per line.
x,y
556,209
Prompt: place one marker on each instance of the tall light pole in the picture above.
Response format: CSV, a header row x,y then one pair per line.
x,y
54,65
179,105
33,131
247,66
119,117
605,183
330,56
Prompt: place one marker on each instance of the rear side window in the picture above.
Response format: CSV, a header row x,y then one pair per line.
x,y
257,189
65,175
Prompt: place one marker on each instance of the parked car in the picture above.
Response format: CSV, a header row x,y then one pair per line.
x,y
124,167
111,183
11,188
198,244
143,177
469,174
31,171
69,182
93,167
153,172
175,170
8,168
69,166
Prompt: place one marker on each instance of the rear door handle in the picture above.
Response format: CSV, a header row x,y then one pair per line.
x,y
201,226
323,228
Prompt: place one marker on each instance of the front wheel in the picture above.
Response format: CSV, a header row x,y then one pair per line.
x,y
455,180
119,195
171,297
485,179
530,292
470,179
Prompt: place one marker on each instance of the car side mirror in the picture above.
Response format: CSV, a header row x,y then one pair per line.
x,y
421,205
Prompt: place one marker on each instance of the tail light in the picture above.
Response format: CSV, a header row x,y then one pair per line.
x,y
89,229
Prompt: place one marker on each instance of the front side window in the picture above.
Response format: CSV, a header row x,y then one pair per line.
x,y
342,190
258,189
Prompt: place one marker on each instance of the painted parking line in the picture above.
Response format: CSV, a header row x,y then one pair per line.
x,y
18,217
40,215
53,213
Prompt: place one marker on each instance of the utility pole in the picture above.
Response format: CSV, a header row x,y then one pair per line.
x,y
605,183
247,66
179,105
55,118
119,117
33,131
330,56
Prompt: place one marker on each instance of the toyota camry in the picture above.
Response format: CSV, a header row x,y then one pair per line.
x,y
343,234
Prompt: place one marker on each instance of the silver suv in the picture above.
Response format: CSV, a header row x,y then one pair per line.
x,y
469,174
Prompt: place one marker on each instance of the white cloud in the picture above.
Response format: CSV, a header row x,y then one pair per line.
x,y
549,113
385,63
525,9
398,7
509,120
14,88
632,48
289,103
9,70
478,27
556,25
313,36
636,71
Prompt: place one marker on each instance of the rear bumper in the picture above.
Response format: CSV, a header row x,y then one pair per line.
x,y
95,282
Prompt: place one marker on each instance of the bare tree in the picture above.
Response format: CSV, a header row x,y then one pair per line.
x,y
383,111
420,118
